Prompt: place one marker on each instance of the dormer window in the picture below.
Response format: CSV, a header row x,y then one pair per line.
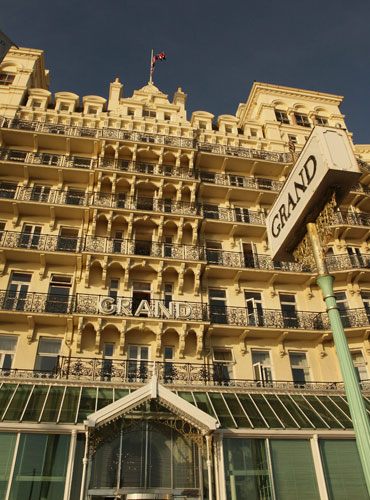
x,y
229,130
253,132
64,107
6,78
302,120
92,110
203,125
36,104
131,112
149,113
281,116
167,116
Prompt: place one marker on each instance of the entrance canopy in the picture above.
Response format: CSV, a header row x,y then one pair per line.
x,y
153,390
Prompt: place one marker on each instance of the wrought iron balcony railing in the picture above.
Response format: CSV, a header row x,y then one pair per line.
x,y
241,181
139,247
58,160
148,137
43,242
344,261
351,218
131,371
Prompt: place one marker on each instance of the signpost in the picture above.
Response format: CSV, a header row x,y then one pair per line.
x,y
323,174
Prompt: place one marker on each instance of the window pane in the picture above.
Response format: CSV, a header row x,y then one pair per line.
x,y
49,346
251,411
342,468
16,407
69,408
266,411
6,393
35,404
8,342
77,468
293,469
40,467
52,406
246,469
7,444
87,403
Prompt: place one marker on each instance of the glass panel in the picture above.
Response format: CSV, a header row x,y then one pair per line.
x,y
8,342
236,410
105,398
7,444
295,412
323,412
251,411
120,393
336,412
70,403
6,393
342,469
266,411
221,410
77,468
203,403
35,404
280,411
51,410
308,411
87,403
185,462
105,461
246,469
187,396
40,468
16,407
293,469
342,405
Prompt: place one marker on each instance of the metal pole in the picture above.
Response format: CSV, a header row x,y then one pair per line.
x,y
360,419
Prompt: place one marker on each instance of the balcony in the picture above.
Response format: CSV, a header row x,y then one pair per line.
x,y
142,203
239,181
236,214
104,305
42,242
57,160
147,137
257,154
256,261
162,250
344,262
54,160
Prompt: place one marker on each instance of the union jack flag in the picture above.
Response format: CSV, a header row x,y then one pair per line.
x,y
159,57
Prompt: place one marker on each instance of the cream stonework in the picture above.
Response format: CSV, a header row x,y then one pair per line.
x,y
129,198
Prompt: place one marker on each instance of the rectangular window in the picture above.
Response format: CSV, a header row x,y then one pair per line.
x,y
366,301
342,304
8,344
217,306
41,467
281,116
131,112
64,107
262,366
75,197
58,294
342,480
6,78
7,190
210,211
167,116
16,295
360,365
300,368
140,291
92,110
137,364
47,354
302,120
107,365
320,120
214,252
168,357
40,193
67,239
7,445
149,113
223,363
168,294
293,467
242,214
118,242
247,470
236,180
30,236
49,159
113,288
253,303
288,310
36,104
292,139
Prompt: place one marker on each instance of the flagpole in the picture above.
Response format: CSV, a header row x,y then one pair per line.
x,y
151,69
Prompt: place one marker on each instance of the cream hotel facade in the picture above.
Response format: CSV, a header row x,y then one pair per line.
x,y
149,345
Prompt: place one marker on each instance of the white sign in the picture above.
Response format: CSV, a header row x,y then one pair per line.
x,y
123,307
326,164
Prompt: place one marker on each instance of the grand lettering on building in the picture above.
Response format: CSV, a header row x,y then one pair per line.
x,y
125,307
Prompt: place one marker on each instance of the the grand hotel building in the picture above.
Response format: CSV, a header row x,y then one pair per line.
x,y
148,343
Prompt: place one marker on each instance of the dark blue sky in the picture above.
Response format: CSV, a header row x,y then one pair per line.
x,y
215,49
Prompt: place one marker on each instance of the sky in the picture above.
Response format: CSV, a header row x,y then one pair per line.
x,y
215,49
